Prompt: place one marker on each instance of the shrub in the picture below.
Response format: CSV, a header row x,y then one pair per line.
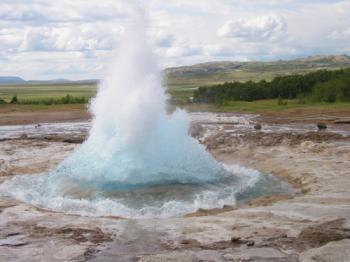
x,y
14,99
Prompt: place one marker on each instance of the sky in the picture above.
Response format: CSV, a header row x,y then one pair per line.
x,y
51,39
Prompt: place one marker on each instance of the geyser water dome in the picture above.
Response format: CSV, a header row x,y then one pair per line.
x,y
137,160
133,142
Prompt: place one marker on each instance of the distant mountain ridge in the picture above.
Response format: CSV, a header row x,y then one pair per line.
x,y
11,80
65,81
217,71
307,63
18,80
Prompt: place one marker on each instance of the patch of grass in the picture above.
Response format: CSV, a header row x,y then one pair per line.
x,y
46,91
17,108
67,99
266,106
180,95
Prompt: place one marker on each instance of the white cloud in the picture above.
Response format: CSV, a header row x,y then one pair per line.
x,y
70,38
340,35
63,10
184,50
75,39
10,39
266,27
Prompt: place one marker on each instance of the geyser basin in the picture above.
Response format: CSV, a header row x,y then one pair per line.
x,y
167,200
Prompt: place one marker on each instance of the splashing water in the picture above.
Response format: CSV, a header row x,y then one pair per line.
x,y
133,142
137,160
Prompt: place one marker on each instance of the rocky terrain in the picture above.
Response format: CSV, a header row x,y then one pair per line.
x,y
311,225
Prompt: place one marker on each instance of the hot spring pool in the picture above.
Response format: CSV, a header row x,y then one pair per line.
x,y
168,200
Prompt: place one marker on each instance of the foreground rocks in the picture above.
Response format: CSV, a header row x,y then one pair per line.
x,y
313,225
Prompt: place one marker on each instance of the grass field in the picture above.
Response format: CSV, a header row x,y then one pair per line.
x,y
178,95
16,108
268,106
48,91
45,91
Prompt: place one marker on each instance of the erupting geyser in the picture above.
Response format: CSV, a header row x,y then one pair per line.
x,y
137,160
133,142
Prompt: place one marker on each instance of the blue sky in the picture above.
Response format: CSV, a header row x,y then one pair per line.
x,y
47,39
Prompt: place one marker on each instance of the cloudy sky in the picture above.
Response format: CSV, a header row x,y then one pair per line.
x,y
48,39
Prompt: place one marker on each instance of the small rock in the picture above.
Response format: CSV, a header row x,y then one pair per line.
x,y
192,242
321,126
235,239
257,127
221,140
250,243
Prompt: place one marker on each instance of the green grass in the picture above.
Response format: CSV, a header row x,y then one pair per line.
x,y
194,81
42,92
180,94
264,106
17,108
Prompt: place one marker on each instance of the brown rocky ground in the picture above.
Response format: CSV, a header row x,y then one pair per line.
x,y
313,225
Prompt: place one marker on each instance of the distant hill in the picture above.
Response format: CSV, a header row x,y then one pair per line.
x,y
314,62
11,80
218,72
62,81
16,80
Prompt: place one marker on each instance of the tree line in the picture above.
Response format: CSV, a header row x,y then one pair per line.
x,y
318,86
